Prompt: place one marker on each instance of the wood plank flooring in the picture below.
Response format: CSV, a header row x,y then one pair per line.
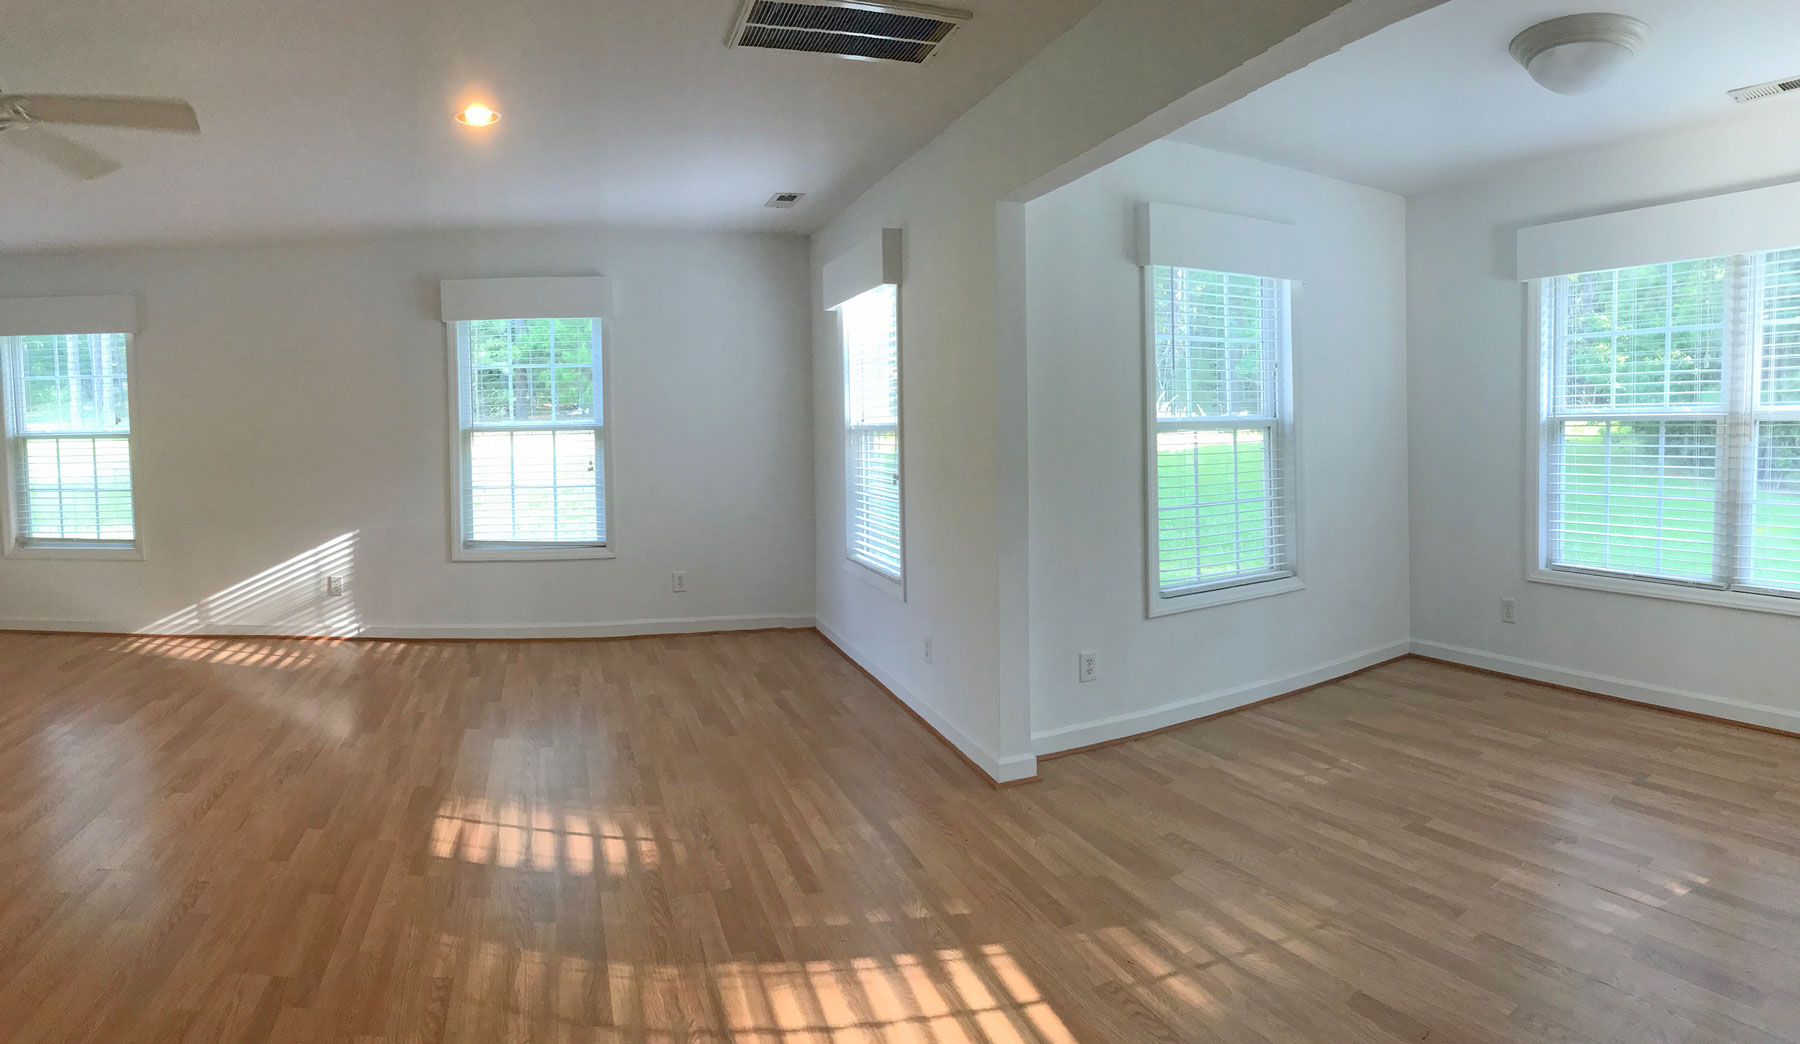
x,y
739,838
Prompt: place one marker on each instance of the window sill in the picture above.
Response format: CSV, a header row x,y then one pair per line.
x,y
530,553
78,552
1160,606
1668,592
887,585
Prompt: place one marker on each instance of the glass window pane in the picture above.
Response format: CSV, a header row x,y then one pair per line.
x,y
534,487
1635,497
76,489
574,392
1773,517
1217,344
492,395
870,324
874,490
1779,314
531,370
871,332
1218,506
1641,339
74,382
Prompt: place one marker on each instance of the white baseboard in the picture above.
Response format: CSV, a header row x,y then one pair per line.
x,y
614,629
1623,688
618,629
1121,726
1008,769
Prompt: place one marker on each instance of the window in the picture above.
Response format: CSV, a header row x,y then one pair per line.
x,y
1670,423
68,442
531,451
1220,439
871,331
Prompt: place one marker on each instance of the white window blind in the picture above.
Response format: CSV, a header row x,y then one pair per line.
x,y
1768,523
532,440
871,330
1671,422
1220,473
68,436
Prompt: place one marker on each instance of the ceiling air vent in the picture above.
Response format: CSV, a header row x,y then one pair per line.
x,y
1766,90
869,32
784,200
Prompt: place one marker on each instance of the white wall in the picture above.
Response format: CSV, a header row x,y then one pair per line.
x,y
1468,417
1131,64
288,396
1087,452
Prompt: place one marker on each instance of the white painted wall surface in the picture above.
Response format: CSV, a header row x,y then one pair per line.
x,y
1129,65
289,406
1469,418
1087,452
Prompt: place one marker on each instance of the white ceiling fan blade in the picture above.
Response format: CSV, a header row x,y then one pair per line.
x,y
155,114
51,147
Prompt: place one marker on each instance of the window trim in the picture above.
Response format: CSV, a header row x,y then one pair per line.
x,y
463,550
1241,589
894,586
12,545
1536,474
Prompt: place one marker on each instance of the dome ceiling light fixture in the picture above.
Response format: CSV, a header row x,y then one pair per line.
x,y
1577,53
478,115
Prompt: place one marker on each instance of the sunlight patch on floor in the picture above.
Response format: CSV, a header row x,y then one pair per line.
x,y
509,834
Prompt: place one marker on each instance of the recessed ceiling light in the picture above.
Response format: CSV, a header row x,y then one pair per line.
x,y
1577,53
478,115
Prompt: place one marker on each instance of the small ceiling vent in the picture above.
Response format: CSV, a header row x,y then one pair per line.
x,y
1766,90
784,200
849,29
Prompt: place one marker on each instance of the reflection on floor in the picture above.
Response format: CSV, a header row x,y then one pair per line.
x,y
737,838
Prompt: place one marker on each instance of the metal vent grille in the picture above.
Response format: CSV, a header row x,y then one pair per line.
x,y
1765,90
880,32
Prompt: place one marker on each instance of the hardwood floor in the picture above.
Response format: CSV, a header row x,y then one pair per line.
x,y
739,838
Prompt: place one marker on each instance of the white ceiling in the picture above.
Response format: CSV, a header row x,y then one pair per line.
x,y
1437,98
327,115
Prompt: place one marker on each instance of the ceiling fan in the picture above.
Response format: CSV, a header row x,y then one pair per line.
x,y
25,121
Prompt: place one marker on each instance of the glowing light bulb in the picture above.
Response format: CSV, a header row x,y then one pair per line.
x,y
477,115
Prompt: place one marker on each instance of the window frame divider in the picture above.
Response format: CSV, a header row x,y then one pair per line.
x,y
1739,380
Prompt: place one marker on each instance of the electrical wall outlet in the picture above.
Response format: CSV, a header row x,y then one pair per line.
x,y
1088,666
334,586
678,581
1508,611
927,648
